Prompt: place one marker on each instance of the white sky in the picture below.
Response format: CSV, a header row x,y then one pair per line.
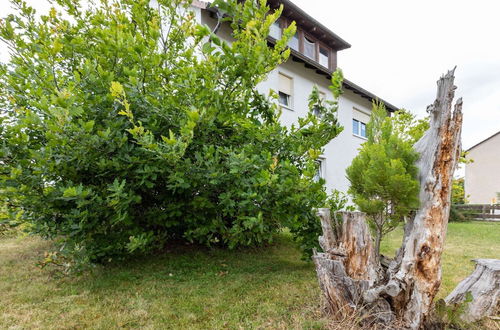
x,y
400,48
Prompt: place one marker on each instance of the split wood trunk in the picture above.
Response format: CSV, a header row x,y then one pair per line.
x,y
484,287
351,277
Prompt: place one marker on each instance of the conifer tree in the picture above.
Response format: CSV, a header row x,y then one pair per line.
x,y
383,176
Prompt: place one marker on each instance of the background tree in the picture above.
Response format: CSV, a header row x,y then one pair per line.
x,y
458,197
126,126
458,191
383,176
407,125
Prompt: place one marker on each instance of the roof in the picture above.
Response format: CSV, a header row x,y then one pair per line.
x,y
347,84
477,144
303,19
290,9
293,12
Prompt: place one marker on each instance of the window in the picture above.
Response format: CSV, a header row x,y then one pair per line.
x,y
285,89
324,58
294,42
358,128
309,48
284,99
275,30
359,120
320,170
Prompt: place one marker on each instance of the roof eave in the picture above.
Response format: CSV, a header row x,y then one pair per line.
x,y
340,43
297,56
477,144
347,84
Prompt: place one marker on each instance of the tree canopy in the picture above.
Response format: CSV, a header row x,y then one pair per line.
x,y
383,176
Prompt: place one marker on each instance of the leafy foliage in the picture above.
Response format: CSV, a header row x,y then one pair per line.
x,y
306,232
125,126
458,197
460,215
458,191
383,176
408,127
449,316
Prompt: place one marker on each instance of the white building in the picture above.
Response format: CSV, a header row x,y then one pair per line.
x,y
482,176
312,61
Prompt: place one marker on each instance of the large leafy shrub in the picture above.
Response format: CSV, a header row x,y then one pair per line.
x,y
125,126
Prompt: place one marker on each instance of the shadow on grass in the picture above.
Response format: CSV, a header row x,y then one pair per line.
x,y
191,265
182,287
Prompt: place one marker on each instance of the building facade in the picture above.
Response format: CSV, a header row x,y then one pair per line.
x,y
313,59
482,175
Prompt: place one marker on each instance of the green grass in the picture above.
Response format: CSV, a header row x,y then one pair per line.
x,y
186,288
193,288
464,241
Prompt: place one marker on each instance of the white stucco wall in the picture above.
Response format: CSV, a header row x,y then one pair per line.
x,y
339,153
341,150
482,177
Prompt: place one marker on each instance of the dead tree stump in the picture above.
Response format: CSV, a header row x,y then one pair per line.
x,y
350,276
484,285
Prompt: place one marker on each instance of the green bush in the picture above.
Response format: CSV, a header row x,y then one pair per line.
x,y
120,134
461,215
383,176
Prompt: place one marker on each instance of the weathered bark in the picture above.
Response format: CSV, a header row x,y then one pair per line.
x,y
407,287
417,268
348,267
484,285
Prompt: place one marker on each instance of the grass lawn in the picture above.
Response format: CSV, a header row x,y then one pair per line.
x,y
464,241
189,288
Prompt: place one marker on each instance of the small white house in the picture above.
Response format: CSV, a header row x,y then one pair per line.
x,y
482,176
313,59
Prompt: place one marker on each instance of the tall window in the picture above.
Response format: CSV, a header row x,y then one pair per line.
x,y
275,30
285,89
324,57
294,42
359,120
358,128
320,170
309,48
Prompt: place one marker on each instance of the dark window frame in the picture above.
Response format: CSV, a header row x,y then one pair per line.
x,y
329,51
320,171
316,44
302,34
288,99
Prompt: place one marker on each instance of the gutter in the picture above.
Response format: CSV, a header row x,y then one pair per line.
x,y
347,84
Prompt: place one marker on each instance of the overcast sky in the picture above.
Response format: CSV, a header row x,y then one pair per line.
x,y
400,48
